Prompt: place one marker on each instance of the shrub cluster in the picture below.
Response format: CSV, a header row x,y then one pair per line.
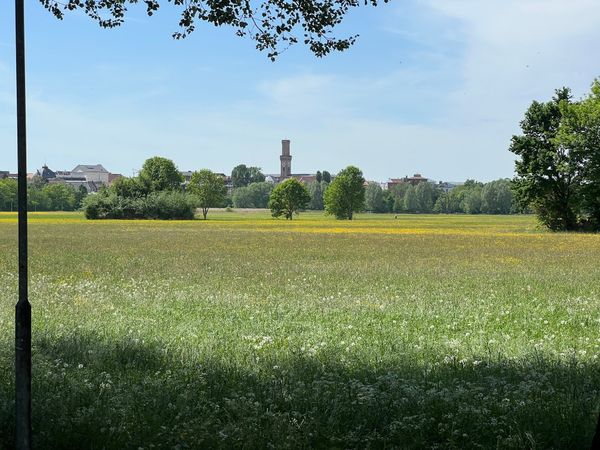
x,y
156,205
154,194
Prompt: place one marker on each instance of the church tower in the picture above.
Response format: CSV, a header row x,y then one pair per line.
x,y
286,159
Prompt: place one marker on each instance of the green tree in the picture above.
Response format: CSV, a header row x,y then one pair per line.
x,y
80,193
242,197
255,195
326,177
397,192
256,175
374,199
580,132
411,202
319,176
242,176
129,187
388,198
272,24
442,204
61,197
38,182
472,202
160,174
346,194
548,173
209,188
427,195
8,194
36,199
497,197
317,190
288,198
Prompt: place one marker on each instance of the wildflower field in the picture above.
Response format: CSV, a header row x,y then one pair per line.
x,y
247,332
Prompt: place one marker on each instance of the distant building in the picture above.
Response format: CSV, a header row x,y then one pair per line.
x,y
187,175
304,178
112,177
416,179
92,172
447,186
285,172
46,173
77,183
91,177
286,160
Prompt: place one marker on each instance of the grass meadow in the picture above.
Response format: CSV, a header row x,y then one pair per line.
x,y
248,332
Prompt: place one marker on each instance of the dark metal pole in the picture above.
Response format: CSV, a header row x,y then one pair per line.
x,y
23,308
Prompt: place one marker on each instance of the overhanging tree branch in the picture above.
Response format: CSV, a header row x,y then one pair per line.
x,y
274,25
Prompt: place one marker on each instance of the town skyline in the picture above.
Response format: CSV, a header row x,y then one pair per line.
x,y
268,173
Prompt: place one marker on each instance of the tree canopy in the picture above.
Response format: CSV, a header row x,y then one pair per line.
x,y
273,24
374,199
160,174
241,175
288,198
255,195
209,188
548,173
346,194
580,132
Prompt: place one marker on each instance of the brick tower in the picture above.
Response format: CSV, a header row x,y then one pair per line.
x,y
286,159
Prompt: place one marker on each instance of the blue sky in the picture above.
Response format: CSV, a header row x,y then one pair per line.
x,y
431,86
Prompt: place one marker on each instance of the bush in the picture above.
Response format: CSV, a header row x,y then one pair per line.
x,y
158,205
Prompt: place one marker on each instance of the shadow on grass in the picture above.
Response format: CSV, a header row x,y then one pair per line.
x,y
97,394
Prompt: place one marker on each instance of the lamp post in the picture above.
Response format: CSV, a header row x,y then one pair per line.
x,y
23,308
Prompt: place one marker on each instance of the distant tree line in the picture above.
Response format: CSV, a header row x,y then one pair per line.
x,y
472,197
159,192
42,196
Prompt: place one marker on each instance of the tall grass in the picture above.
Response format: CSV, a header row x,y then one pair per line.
x,y
243,331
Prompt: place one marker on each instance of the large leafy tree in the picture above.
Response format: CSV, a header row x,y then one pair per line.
x,y
580,132
160,174
346,194
209,188
273,24
241,175
288,198
548,172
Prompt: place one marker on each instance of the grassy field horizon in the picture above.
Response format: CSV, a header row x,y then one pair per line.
x,y
407,331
